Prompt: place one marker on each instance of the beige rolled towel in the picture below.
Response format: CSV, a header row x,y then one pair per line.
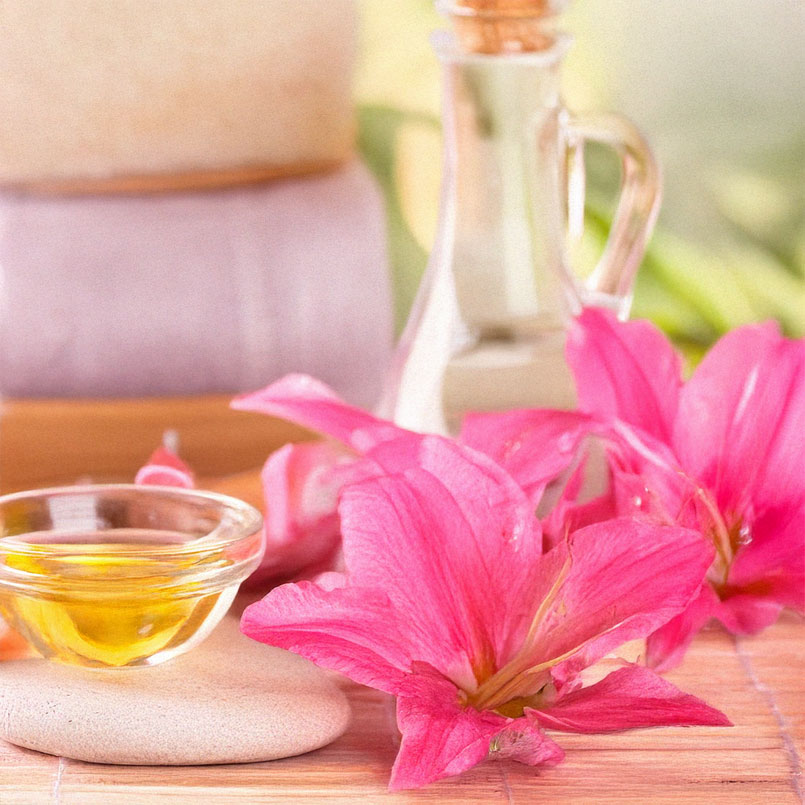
x,y
148,94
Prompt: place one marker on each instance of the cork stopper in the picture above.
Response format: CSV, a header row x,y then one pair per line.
x,y
503,26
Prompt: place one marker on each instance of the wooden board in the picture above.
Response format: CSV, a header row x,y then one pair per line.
x,y
45,442
758,682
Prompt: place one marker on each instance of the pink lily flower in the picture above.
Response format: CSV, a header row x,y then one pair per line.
x,y
721,453
302,481
449,603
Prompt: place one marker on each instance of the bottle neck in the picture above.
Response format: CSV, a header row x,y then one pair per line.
x,y
505,187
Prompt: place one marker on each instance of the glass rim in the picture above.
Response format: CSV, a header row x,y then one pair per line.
x,y
238,520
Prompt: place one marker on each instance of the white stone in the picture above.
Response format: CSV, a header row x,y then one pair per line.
x,y
231,700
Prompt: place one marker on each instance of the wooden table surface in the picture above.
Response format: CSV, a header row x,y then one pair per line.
x,y
758,682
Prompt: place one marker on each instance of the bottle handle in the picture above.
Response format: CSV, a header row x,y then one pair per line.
x,y
610,284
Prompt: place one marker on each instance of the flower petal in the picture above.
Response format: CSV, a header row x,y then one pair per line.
x,y
164,468
772,564
626,371
742,419
345,629
301,483
568,515
441,737
666,647
534,446
744,614
453,540
312,404
627,579
647,480
525,742
767,573
625,699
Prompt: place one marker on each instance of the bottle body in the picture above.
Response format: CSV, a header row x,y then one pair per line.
x,y
487,331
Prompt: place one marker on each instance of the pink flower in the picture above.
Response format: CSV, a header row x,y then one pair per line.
x,y
302,481
721,453
165,468
449,603
300,489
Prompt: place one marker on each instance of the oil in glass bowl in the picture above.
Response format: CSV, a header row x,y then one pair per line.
x,y
127,595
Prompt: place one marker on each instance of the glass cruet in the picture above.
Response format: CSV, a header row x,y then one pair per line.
x,y
487,329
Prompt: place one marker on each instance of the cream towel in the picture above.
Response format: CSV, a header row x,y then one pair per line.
x,y
92,89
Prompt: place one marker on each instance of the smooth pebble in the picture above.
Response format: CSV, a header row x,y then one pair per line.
x,y
230,700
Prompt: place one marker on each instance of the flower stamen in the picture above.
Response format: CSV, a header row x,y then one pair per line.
x,y
509,676
720,534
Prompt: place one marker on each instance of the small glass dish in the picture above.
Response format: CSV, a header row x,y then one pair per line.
x,y
119,576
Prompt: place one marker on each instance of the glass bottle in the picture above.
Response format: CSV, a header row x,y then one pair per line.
x,y
487,330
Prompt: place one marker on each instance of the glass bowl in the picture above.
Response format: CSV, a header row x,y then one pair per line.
x,y
119,576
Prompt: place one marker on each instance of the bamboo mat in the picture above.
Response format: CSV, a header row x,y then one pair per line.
x,y
758,682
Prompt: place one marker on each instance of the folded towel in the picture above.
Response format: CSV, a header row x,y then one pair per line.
x,y
94,90
193,293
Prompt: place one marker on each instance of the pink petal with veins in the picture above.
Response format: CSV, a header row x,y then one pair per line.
x,y
534,446
627,579
626,370
351,630
741,425
441,738
312,404
625,699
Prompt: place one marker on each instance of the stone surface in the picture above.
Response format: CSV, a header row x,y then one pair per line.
x,y
231,700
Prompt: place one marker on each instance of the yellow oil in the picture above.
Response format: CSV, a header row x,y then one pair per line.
x,y
103,604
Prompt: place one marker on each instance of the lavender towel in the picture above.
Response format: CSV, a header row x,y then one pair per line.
x,y
194,293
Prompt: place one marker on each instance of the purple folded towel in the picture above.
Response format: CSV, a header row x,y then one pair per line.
x,y
193,293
